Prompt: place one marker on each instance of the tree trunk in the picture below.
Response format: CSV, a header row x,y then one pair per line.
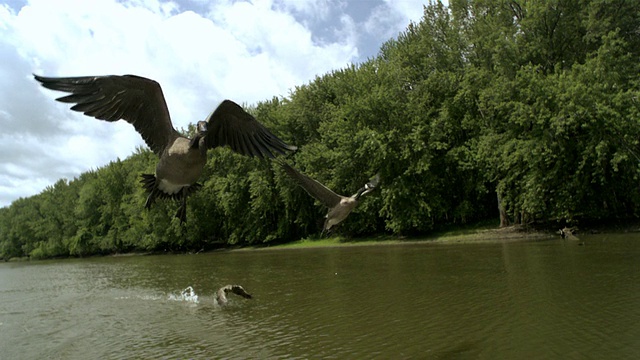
x,y
504,219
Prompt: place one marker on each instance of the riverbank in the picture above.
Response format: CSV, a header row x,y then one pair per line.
x,y
479,233
475,234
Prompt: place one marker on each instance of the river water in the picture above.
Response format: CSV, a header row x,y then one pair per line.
x,y
518,300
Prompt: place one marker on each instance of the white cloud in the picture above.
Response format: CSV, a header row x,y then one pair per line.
x,y
316,9
393,16
246,51
410,10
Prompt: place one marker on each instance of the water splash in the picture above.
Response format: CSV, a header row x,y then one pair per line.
x,y
187,295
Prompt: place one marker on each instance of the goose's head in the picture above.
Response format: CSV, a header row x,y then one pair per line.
x,y
201,131
202,128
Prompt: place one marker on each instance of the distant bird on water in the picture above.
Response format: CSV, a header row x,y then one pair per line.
x,y
570,234
339,206
140,102
221,295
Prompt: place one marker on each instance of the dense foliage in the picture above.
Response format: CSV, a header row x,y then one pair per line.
x,y
527,111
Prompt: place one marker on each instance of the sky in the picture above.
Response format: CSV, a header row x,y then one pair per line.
x,y
200,51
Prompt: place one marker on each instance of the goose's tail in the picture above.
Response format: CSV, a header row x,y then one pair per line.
x,y
150,184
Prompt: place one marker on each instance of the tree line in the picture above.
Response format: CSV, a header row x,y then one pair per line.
x,y
519,111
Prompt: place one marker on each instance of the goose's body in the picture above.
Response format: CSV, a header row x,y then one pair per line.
x,y
140,102
221,294
179,166
339,206
568,233
341,211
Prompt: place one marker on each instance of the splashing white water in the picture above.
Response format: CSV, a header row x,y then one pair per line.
x,y
188,295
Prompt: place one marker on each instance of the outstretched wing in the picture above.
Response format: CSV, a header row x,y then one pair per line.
x,y
239,290
230,125
320,192
134,99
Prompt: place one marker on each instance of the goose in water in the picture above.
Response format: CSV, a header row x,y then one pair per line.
x,y
570,234
140,102
221,295
339,206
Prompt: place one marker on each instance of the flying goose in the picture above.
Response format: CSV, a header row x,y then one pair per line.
x,y
140,102
221,295
339,206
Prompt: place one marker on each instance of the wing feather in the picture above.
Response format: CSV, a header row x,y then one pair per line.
x,y
135,99
230,125
318,191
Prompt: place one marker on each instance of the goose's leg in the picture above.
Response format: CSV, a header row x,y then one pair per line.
x,y
325,232
183,194
182,210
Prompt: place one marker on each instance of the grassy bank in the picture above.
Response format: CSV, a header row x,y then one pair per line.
x,y
486,232
473,234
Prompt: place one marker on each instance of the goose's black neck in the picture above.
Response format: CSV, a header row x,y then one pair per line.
x,y
359,193
195,143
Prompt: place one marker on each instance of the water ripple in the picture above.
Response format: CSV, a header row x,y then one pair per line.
x,y
531,300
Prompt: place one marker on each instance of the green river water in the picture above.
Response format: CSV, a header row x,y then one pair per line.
x,y
518,300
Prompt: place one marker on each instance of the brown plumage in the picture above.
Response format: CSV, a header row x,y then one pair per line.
x,y
221,295
339,206
140,102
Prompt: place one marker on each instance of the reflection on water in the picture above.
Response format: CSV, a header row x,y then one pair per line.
x,y
548,299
